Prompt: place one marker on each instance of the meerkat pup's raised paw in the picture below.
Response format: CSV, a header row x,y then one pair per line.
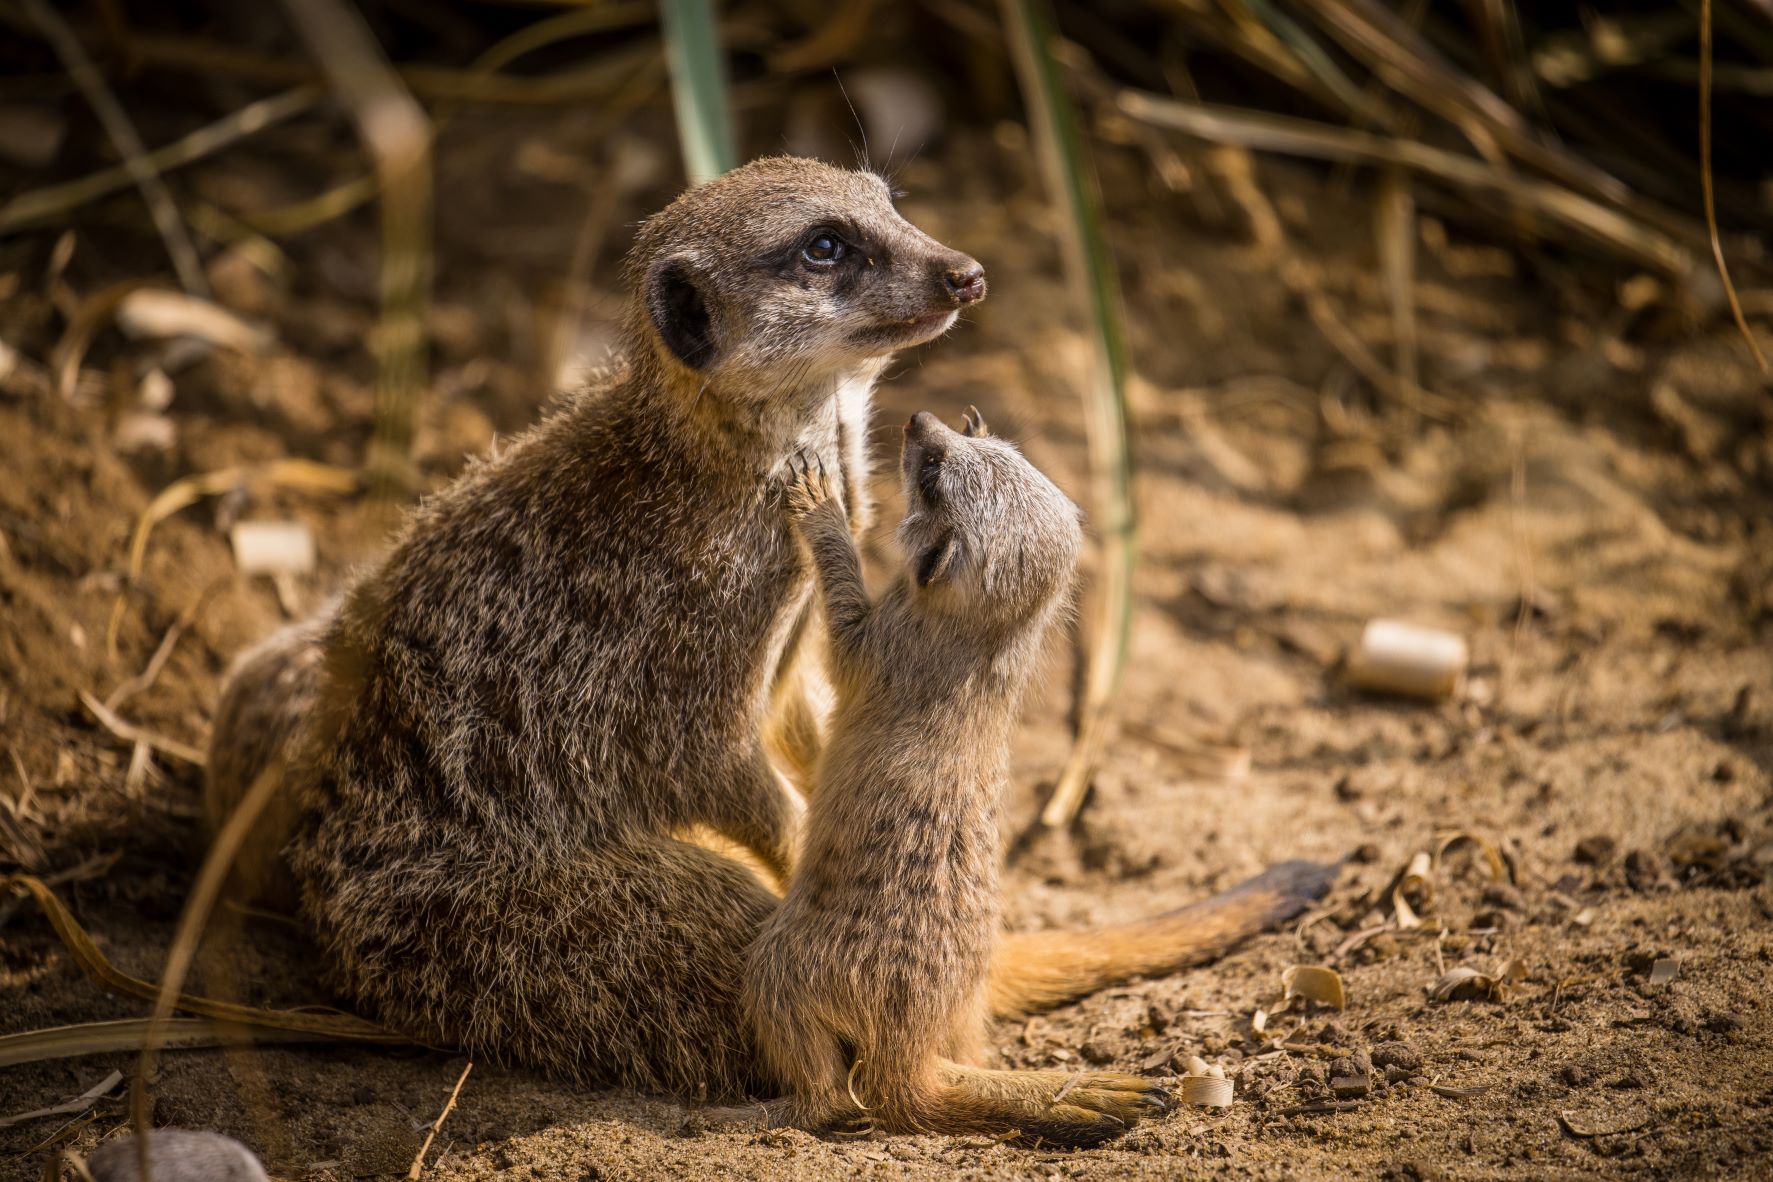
x,y
868,985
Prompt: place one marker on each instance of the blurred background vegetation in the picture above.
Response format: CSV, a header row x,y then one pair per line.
x,y
449,182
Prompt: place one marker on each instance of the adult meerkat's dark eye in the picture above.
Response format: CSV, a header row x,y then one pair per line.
x,y
824,248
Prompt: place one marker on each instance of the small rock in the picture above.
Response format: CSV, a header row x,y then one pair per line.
x,y
1576,1075
1643,869
1384,946
1351,1086
1719,1022
1503,895
1398,1054
1596,850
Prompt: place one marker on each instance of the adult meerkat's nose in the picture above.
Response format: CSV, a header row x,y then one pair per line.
x,y
965,280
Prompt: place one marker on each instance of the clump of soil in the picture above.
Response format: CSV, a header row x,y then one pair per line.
x,y
1592,515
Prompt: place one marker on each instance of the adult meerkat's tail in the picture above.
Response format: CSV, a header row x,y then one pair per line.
x,y
1036,970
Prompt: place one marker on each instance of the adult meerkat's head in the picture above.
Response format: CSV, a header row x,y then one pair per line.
x,y
792,270
984,530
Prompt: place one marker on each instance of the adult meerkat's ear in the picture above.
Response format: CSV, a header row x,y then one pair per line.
x,y
934,563
678,312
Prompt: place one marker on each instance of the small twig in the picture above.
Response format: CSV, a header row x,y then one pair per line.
x,y
54,201
29,791
151,673
1301,283
1705,182
418,1163
131,733
1069,1084
1320,1106
129,145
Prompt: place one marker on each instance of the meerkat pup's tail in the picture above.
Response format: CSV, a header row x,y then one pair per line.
x,y
1037,970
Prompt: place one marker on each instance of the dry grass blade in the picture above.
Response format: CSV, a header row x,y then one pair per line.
x,y
397,135
698,87
189,935
72,1107
1301,137
1091,271
1705,180
39,206
433,83
1394,215
1404,60
86,954
129,145
125,1034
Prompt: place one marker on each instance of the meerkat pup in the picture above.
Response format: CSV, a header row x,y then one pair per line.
x,y
868,986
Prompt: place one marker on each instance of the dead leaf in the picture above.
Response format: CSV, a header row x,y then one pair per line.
x,y
1465,983
1418,876
1314,983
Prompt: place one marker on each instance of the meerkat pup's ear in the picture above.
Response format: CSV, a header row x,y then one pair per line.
x,y
678,312
934,563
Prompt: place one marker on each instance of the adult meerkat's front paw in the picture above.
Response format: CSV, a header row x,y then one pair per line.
x,y
810,486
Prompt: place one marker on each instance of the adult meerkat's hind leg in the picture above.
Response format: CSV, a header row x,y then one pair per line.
x,y
1037,970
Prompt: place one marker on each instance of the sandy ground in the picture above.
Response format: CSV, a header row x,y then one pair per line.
x,y
1592,517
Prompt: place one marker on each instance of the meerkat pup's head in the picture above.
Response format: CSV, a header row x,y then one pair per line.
x,y
985,532
792,270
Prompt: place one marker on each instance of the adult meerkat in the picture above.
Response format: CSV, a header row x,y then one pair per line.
x,y
567,657
868,985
